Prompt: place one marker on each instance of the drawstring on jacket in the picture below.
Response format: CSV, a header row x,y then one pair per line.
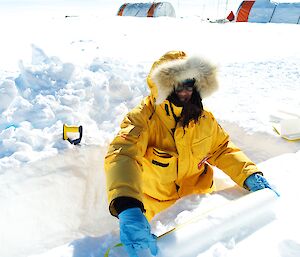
x,y
154,108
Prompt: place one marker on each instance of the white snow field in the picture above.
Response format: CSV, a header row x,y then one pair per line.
x,y
90,69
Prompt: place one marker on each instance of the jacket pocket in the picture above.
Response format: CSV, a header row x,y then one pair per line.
x,y
160,165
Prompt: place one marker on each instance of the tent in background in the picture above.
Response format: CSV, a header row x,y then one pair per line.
x,y
243,11
156,9
264,11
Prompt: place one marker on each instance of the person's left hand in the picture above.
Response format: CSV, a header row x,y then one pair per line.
x,y
135,232
256,182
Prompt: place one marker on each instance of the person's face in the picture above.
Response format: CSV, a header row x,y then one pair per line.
x,y
184,95
184,90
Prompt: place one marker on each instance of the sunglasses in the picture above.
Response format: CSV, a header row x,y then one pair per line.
x,y
187,84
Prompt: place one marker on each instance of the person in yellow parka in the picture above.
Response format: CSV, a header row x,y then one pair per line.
x,y
166,148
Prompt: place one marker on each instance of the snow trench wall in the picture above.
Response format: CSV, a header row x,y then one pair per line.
x,y
157,9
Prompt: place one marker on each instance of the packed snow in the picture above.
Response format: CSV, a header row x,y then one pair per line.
x,y
90,69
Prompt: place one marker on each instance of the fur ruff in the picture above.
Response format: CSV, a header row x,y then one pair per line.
x,y
167,76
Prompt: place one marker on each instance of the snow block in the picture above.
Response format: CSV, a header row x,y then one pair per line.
x,y
286,124
234,220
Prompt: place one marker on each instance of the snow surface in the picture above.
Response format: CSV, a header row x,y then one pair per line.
x,y
89,69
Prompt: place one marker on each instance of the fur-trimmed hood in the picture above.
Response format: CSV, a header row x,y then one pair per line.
x,y
175,67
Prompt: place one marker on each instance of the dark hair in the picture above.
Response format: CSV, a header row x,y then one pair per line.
x,y
192,110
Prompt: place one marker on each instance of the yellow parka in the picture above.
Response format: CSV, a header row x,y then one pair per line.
x,y
157,161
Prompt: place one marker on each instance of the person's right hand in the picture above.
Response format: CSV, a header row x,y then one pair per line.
x,y
135,232
256,182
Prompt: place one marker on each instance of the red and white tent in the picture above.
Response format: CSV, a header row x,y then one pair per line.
x,y
264,11
156,9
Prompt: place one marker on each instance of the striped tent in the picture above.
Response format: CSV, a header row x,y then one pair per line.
x,y
156,9
264,11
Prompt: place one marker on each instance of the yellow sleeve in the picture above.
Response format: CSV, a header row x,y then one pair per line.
x,y
228,157
123,159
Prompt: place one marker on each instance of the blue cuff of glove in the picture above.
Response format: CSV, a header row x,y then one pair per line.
x,y
131,212
255,182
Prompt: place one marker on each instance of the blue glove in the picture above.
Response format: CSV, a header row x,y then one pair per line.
x,y
135,232
256,182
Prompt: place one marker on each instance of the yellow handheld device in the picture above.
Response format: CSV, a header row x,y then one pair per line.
x,y
72,133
